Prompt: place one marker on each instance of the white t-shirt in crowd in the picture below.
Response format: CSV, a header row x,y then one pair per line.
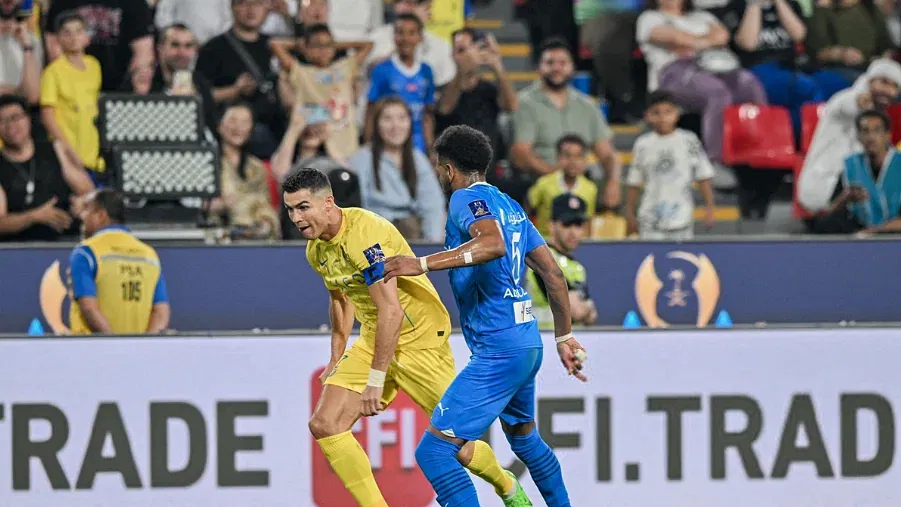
x,y
12,59
433,50
354,20
278,26
666,166
695,22
205,18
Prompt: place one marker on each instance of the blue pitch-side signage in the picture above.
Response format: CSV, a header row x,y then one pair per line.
x,y
246,287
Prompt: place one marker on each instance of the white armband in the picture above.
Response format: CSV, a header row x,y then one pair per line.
x,y
424,264
376,378
561,339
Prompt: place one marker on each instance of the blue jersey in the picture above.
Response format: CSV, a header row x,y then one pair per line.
x,y
495,309
415,86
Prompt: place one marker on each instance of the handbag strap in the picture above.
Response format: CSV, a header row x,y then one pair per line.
x,y
251,65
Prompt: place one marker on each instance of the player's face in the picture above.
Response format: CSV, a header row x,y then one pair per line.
x,y
309,212
571,160
569,235
884,92
445,177
236,126
91,216
395,125
406,37
662,117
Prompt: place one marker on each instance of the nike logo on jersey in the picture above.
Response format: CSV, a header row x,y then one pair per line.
x,y
322,263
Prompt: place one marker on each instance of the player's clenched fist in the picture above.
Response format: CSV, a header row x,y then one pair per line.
x,y
371,401
573,356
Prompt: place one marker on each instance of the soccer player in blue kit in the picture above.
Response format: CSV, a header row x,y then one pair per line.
x,y
490,241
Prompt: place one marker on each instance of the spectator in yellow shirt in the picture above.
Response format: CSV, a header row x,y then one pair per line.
x,y
70,88
568,178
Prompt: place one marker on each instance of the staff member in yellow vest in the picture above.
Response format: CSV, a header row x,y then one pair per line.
x,y
115,280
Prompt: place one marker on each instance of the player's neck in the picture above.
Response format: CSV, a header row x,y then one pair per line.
x,y
336,218
472,180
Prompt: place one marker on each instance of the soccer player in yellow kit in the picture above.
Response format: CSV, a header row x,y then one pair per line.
x,y
403,336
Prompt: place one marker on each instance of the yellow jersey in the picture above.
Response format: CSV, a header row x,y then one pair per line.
x,y
125,276
73,94
550,186
352,260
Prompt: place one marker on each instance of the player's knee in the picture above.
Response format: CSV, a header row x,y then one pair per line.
x,y
322,427
518,429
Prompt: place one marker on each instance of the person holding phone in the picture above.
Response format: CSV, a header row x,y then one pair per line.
x,y
868,197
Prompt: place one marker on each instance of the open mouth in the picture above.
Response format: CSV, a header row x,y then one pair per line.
x,y
303,228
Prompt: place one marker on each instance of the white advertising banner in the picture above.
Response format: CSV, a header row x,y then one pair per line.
x,y
672,419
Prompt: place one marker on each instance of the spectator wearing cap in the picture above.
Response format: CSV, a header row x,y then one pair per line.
x,y
835,137
568,216
433,50
551,108
21,57
120,34
569,178
207,18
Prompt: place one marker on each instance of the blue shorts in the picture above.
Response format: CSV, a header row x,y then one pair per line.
x,y
490,386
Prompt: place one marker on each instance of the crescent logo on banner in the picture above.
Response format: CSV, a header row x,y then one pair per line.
x,y
678,292
54,296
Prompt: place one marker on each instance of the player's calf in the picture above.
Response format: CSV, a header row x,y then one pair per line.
x,y
538,457
437,458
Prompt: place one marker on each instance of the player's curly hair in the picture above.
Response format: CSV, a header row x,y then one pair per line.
x,y
464,147
305,178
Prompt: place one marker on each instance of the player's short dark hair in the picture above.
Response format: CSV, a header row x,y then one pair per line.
x,y
305,178
660,97
410,17
571,139
318,28
112,202
466,148
874,113
66,17
10,99
553,43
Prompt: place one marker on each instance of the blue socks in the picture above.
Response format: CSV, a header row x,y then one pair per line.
x,y
543,467
438,460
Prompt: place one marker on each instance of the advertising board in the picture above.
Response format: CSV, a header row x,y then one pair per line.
x,y
743,418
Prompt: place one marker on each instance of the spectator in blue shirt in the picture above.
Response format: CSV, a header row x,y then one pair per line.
x,y
404,75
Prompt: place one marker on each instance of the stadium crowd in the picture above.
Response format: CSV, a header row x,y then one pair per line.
x,y
361,88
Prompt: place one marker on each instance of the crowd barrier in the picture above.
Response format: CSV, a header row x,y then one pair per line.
x,y
658,284
774,418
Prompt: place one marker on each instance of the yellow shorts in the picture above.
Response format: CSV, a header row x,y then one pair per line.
x,y
423,374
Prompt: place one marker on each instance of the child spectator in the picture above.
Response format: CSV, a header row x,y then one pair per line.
x,y
568,178
325,89
667,161
70,88
408,77
397,181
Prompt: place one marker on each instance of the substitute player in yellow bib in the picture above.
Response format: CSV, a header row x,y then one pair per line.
x,y
115,280
403,335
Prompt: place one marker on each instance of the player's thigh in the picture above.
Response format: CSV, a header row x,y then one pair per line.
x,y
425,374
479,395
351,372
521,407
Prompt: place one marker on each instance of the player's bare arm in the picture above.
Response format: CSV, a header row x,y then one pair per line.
x,y
541,261
387,333
159,318
341,319
487,244
94,318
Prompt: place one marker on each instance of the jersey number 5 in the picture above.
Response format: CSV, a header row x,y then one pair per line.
x,y
131,291
517,257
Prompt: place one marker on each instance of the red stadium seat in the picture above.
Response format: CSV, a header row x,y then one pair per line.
x,y
810,116
797,209
894,114
758,136
275,195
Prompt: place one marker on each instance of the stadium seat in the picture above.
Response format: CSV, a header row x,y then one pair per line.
x,y
797,210
810,116
894,114
275,194
758,136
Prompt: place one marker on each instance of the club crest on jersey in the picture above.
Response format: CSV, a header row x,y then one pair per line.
x,y
374,254
479,208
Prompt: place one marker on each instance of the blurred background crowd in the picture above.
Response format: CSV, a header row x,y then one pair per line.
x,y
658,120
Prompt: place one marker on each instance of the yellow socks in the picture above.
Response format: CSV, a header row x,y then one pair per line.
x,y
484,464
352,465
